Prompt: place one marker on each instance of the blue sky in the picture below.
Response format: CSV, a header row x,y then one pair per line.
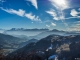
x,y
51,14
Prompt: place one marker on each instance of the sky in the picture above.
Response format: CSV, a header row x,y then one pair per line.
x,y
51,14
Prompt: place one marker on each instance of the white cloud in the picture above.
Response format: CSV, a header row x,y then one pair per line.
x,y
60,4
74,13
56,18
22,13
34,3
53,14
61,16
47,26
19,12
53,24
32,17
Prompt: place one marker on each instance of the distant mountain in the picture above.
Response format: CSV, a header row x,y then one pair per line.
x,y
36,33
72,33
25,33
22,29
55,30
47,33
8,41
2,30
27,42
21,36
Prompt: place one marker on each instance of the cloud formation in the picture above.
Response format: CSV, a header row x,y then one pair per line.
x,y
53,24
53,14
32,17
60,4
47,26
74,13
22,13
34,3
75,26
19,12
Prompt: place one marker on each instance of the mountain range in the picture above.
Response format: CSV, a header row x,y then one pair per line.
x,y
54,44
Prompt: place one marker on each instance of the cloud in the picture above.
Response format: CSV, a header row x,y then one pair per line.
x,y
19,12
32,17
53,24
22,13
34,3
2,1
53,14
75,26
79,9
74,13
60,4
47,26
61,16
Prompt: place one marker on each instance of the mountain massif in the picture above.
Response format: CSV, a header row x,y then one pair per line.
x,y
62,46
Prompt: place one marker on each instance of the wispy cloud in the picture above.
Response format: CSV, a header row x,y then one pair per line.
x,y
53,24
22,13
60,4
74,14
75,26
47,25
19,12
53,14
32,17
34,3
